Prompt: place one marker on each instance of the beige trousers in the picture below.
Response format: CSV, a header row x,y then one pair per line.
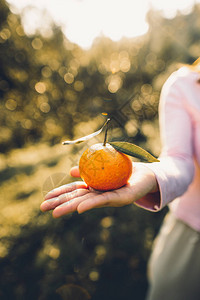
x,y
174,265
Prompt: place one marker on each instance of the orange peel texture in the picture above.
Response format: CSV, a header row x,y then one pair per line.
x,y
104,168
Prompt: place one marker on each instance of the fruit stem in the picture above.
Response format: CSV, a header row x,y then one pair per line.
x,y
106,132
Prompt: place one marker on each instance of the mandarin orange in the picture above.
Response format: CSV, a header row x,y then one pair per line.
x,y
104,168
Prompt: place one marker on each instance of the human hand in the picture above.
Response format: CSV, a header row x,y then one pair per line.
x,y
77,196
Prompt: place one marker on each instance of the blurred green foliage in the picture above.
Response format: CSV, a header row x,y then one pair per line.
x,y
51,89
49,85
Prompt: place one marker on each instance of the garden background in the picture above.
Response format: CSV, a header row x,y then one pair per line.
x,y
52,90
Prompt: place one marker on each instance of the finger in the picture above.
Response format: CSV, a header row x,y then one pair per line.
x,y
74,172
71,205
115,198
63,198
92,200
99,200
65,189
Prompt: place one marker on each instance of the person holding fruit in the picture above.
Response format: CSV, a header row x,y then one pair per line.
x,y
174,180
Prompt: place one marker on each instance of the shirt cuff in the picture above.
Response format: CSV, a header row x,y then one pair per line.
x,y
152,201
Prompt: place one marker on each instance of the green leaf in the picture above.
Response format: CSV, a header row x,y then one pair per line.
x,y
87,137
133,150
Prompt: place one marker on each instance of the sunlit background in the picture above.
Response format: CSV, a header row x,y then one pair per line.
x,y
84,20
65,66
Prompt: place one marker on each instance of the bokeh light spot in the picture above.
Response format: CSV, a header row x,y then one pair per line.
x,y
11,104
46,72
107,222
131,128
94,275
125,65
37,44
62,71
69,78
146,89
45,107
20,30
26,123
40,87
114,83
5,34
54,253
78,85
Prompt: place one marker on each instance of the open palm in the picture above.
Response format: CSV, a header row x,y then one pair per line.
x,y
77,196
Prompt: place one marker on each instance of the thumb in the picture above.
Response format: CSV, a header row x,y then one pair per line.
x,y
74,172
